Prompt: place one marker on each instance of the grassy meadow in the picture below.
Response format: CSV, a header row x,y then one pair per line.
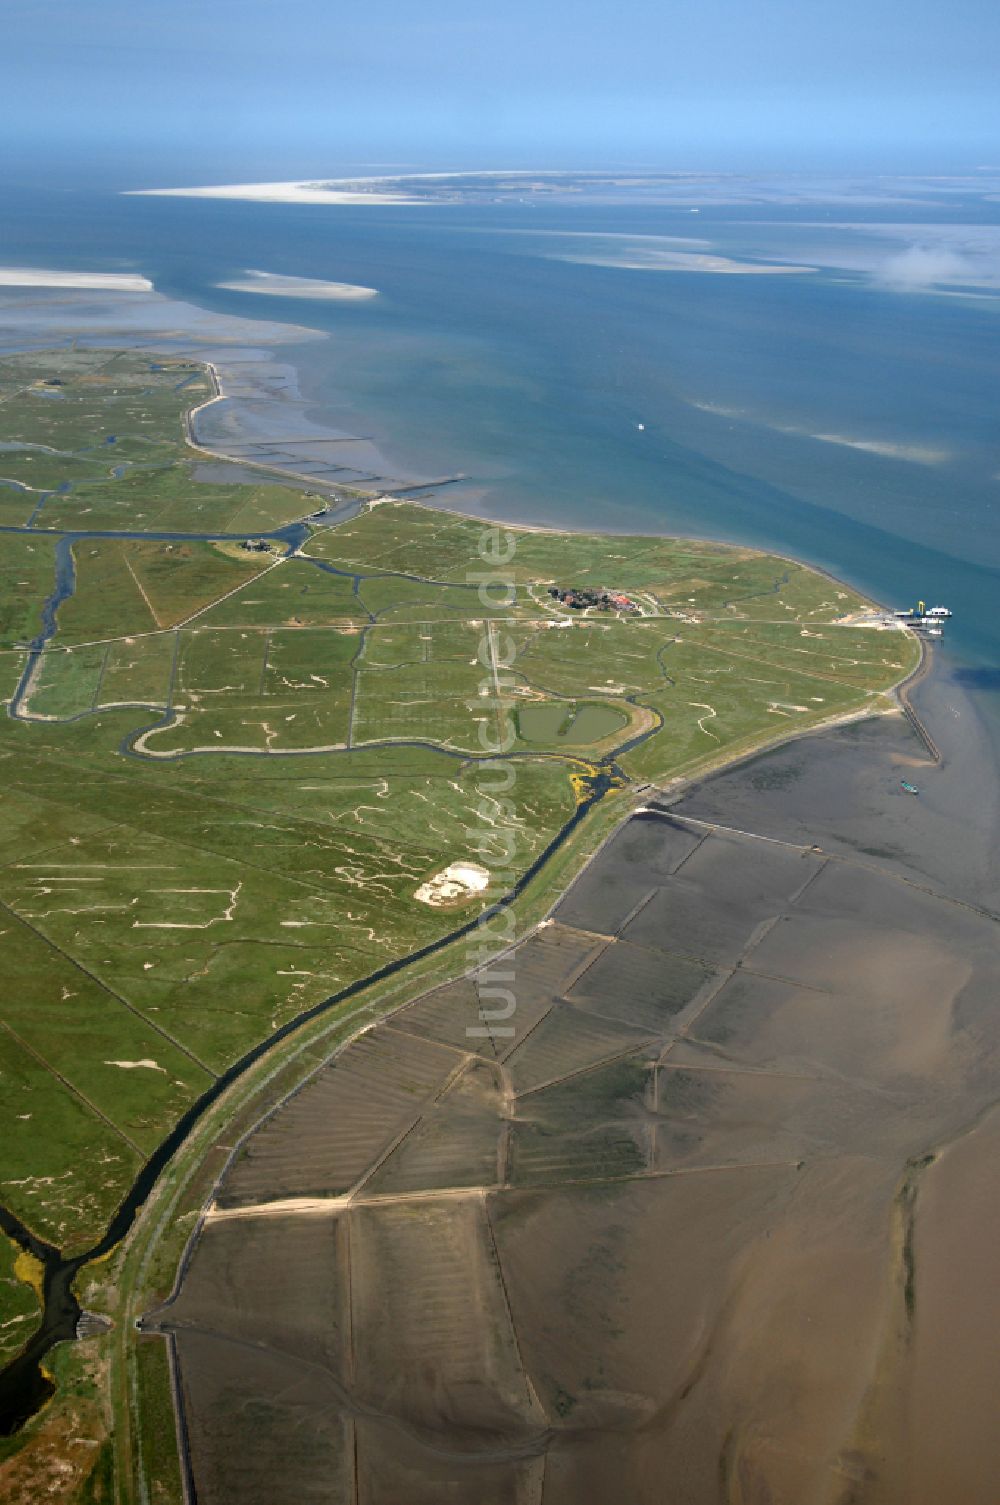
x,y
230,772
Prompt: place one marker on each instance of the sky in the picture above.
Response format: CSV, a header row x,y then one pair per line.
x,y
159,92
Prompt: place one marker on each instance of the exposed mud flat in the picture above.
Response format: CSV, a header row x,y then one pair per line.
x,y
842,789
262,418
714,1222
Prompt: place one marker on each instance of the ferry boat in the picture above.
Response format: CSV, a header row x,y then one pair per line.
x,y
921,614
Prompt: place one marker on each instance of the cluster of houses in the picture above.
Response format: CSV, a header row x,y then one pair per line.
x,y
579,598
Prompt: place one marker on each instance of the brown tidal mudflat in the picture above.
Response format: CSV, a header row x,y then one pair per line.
x,y
717,1224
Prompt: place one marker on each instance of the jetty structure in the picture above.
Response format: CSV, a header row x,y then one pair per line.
x,y
928,620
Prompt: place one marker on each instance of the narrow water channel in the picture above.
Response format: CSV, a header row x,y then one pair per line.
x,y
24,1387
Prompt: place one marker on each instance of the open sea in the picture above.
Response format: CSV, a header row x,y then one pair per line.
x,y
832,414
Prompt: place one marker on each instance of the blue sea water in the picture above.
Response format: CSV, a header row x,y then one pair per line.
x,y
828,415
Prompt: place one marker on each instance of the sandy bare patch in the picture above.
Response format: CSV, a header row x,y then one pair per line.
x,y
117,282
644,259
458,881
276,193
271,285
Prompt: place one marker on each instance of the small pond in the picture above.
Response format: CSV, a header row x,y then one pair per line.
x,y
580,723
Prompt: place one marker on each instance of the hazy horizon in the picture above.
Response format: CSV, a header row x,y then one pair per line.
x,y
189,93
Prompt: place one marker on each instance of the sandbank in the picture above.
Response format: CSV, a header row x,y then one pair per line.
x,y
273,285
642,260
43,313
276,193
109,282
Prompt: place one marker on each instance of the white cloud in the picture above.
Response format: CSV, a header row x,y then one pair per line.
x,y
923,266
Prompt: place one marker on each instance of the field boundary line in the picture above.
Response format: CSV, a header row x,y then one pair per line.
x,y
70,1088
501,1277
185,621
648,1042
139,586
95,701
105,988
672,813
455,1075
735,1070
712,825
